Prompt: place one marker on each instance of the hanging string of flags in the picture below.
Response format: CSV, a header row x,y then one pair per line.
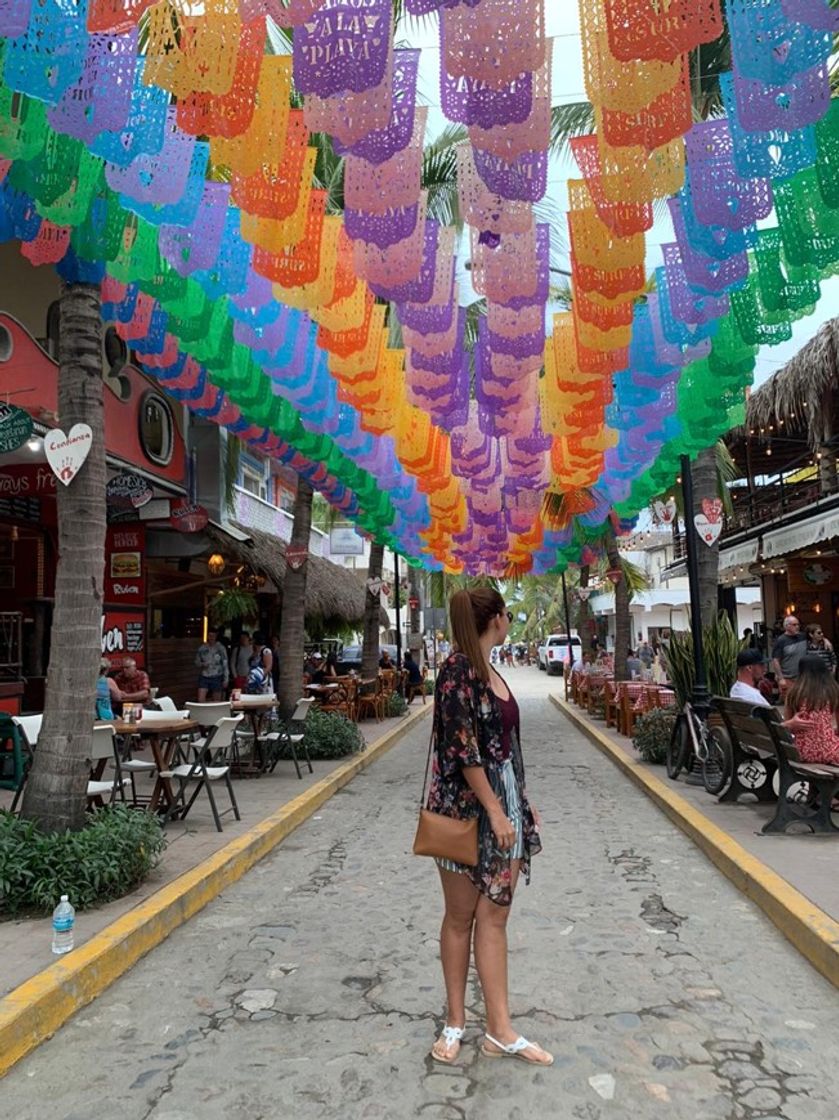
x,y
313,306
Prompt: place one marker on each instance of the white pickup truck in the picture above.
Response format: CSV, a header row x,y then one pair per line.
x,y
554,653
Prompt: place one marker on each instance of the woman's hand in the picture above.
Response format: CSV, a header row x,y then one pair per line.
x,y
502,827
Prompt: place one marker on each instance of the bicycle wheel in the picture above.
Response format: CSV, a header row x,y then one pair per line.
x,y
718,766
678,748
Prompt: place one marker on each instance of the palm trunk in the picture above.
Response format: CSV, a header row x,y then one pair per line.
x,y
293,621
623,619
55,792
706,484
583,609
370,647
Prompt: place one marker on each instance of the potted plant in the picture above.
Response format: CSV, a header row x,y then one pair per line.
x,y
720,647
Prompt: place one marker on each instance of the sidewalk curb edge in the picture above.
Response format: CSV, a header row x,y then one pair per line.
x,y
35,1010
807,927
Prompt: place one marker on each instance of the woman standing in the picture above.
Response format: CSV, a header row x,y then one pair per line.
x,y
478,772
819,646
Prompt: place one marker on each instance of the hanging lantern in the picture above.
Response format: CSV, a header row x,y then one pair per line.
x,y
215,565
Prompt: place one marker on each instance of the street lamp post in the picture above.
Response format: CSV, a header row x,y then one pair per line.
x,y
398,604
701,698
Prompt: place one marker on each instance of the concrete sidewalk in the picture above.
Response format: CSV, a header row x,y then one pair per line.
x,y
792,877
25,945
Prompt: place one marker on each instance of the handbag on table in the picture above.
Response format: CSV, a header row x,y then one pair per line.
x,y
441,836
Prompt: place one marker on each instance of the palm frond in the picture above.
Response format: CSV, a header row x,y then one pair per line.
x,y
439,175
568,121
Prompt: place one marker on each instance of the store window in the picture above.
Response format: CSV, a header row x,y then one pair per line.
x,y
156,429
253,481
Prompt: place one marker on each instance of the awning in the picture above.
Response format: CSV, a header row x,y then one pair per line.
x,y
801,535
739,556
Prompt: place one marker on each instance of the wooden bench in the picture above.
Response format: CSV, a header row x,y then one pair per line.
x,y
751,760
791,769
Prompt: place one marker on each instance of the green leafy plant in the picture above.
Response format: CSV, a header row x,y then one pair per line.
x,y
652,734
232,603
331,735
105,860
395,705
720,646
428,685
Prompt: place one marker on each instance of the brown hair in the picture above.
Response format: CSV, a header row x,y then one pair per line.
x,y
811,631
470,613
814,689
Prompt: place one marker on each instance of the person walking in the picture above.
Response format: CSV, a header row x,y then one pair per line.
x,y
478,772
213,669
787,652
240,660
819,646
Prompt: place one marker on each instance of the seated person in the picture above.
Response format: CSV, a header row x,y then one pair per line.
x,y
331,668
107,693
132,683
634,665
314,672
751,667
414,671
385,661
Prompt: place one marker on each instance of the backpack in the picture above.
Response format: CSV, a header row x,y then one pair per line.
x,y
255,684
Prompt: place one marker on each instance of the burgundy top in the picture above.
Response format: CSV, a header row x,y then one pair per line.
x,y
509,722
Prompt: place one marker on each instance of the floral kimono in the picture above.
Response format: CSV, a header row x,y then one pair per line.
x,y
467,732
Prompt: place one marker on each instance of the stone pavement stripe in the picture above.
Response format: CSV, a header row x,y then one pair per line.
x,y
37,1008
813,932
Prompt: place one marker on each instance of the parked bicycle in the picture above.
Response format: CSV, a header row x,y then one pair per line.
x,y
694,746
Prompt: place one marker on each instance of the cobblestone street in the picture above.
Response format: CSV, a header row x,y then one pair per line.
x,y
312,987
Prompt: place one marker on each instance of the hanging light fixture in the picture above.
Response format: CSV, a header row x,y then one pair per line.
x,y
216,564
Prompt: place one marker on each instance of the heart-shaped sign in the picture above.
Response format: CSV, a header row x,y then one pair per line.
x,y
712,508
709,531
66,453
374,586
665,512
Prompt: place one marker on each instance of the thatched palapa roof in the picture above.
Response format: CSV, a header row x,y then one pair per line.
x,y
334,595
795,396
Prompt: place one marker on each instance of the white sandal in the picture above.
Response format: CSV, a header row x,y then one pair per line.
x,y
516,1050
449,1036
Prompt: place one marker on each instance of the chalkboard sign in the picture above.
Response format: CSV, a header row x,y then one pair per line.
x,y
128,491
21,509
15,428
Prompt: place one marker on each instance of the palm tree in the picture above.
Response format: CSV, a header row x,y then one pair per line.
x,y
623,619
55,792
292,621
372,607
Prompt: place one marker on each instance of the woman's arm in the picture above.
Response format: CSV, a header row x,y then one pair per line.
x,y
505,834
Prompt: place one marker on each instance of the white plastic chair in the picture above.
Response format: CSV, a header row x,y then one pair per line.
x,y
31,727
211,763
165,703
285,738
104,747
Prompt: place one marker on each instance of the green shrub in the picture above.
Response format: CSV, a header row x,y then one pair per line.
x,y
428,685
105,860
331,735
652,733
395,705
720,646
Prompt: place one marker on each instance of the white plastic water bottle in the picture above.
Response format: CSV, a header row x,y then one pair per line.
x,y
63,917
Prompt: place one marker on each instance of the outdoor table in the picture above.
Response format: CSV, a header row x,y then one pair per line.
x,y
255,708
319,691
162,738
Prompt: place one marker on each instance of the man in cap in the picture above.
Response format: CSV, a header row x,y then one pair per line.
x,y
314,669
751,667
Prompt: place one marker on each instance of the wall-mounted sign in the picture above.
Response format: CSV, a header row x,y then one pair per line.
x,y
66,453
128,491
26,481
123,634
15,428
187,517
345,541
124,559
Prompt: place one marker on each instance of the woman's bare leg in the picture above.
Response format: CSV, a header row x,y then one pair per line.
x,y
461,898
491,963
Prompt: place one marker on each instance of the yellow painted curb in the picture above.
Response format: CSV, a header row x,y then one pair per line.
x,y
34,1011
813,932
